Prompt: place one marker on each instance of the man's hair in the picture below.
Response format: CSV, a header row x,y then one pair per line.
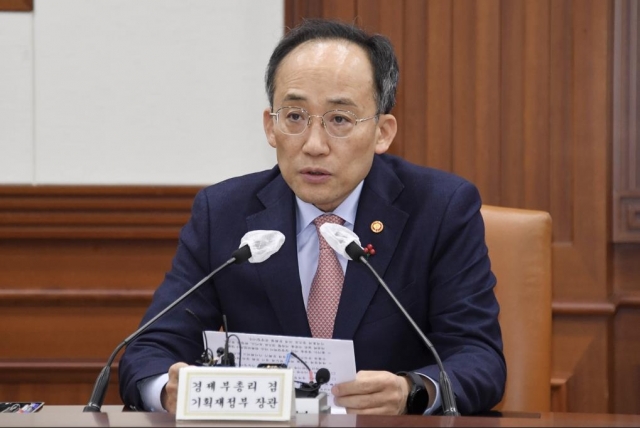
x,y
378,47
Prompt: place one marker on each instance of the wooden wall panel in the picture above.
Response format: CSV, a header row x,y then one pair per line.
x,y
83,264
438,78
582,267
58,332
516,95
581,348
78,268
486,128
627,360
626,205
55,382
626,139
511,94
561,137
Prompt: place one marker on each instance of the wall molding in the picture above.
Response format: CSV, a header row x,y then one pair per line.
x,y
94,212
628,299
55,382
53,371
598,308
560,391
142,297
74,297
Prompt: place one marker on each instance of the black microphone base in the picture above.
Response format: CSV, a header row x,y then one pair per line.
x,y
307,393
91,408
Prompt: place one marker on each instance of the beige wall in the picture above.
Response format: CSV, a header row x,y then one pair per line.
x,y
135,92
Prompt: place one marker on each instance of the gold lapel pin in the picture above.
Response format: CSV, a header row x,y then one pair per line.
x,y
377,226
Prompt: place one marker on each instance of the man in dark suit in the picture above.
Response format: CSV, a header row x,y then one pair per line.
x,y
331,88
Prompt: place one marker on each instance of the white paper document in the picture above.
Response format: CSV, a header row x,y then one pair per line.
x,y
335,355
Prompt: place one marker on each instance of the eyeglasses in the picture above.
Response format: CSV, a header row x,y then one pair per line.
x,y
337,123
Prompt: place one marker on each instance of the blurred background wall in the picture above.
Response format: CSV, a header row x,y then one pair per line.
x,y
135,92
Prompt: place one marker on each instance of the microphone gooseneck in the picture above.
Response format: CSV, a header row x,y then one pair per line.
x,y
226,359
357,254
254,238
206,359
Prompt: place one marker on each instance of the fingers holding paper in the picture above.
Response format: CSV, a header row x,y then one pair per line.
x,y
373,392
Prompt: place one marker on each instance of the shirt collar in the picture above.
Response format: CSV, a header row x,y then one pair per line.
x,y
306,212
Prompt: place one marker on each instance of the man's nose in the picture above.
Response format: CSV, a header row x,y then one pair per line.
x,y
316,139
311,120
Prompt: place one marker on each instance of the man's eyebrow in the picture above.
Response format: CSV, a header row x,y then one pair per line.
x,y
294,97
342,101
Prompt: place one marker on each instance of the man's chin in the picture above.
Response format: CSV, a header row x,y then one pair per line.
x,y
321,204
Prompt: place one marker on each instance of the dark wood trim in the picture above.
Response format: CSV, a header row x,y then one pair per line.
x,y
583,308
53,371
628,299
72,298
16,5
94,212
110,297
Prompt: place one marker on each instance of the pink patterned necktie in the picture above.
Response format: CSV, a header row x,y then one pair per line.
x,y
326,286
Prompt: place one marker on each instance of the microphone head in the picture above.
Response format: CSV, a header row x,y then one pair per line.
x,y
262,244
339,237
322,376
355,251
242,254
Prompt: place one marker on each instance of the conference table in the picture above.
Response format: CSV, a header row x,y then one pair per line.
x,y
113,416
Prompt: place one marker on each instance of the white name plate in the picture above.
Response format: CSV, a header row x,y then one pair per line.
x,y
235,393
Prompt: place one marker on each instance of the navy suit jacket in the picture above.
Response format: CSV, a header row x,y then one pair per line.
x,y
431,253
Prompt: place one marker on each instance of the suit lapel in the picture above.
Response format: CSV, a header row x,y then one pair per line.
x,y
280,274
381,188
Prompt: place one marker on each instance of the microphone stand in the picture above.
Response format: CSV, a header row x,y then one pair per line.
x,y
100,388
449,407
225,360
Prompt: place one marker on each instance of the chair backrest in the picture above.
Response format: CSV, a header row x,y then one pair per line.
x,y
519,243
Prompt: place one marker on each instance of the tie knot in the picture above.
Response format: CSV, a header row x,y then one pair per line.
x,y
327,218
322,219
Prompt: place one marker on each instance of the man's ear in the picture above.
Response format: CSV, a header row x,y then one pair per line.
x,y
387,129
268,123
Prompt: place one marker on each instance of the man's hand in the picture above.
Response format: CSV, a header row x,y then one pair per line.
x,y
169,397
373,392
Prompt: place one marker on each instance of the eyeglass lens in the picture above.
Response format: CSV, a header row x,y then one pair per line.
x,y
294,121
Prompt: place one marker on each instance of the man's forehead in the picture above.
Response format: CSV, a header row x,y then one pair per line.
x,y
319,53
341,61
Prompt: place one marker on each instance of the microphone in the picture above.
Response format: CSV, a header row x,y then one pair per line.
x,y
226,359
346,242
256,246
207,358
311,389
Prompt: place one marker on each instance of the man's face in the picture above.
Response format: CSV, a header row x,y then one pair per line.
x,y
319,76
